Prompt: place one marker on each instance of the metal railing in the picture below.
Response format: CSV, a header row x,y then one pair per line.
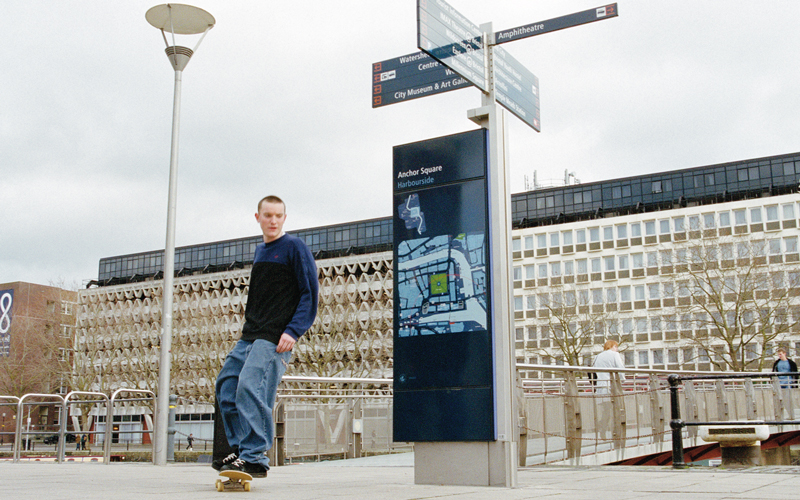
x,y
151,397
566,419
334,417
563,418
10,402
63,403
754,411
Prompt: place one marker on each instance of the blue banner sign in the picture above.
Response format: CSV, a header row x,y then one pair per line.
x,y
6,307
443,372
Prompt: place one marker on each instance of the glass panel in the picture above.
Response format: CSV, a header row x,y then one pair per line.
x,y
772,213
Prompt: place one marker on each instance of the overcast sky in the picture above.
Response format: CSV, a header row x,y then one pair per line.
x,y
277,100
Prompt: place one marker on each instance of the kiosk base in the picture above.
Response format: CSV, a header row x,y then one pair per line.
x,y
469,463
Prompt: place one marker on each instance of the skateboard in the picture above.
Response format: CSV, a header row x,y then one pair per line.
x,y
233,480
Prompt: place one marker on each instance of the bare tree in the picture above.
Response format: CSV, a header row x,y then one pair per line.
x,y
575,322
37,362
40,348
738,297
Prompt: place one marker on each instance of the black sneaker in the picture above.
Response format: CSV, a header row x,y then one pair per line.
x,y
219,464
255,470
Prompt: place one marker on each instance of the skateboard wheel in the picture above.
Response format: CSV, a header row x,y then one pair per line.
x,y
247,486
220,486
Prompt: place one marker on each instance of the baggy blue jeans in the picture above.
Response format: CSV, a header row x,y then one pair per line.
x,y
246,389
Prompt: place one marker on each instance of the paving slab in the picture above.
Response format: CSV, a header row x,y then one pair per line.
x,y
392,478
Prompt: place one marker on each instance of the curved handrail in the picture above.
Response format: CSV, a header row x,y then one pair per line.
x,y
110,419
20,412
63,428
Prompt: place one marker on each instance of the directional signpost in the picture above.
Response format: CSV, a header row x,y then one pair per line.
x,y
558,23
451,38
455,54
516,88
410,77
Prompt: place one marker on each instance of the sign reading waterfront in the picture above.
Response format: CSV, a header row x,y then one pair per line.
x,y
410,77
442,339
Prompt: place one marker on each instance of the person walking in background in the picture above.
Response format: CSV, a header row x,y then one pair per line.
x,y
785,365
189,441
609,358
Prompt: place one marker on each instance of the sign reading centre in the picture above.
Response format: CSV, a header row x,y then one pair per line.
x,y
410,77
443,371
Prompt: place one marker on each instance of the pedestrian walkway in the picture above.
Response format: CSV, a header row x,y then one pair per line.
x,y
391,478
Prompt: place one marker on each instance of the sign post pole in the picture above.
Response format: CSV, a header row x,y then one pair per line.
x,y
503,452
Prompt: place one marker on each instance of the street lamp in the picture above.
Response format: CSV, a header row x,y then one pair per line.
x,y
182,20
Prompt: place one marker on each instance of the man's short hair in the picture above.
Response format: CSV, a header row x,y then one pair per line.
x,y
781,349
609,344
271,199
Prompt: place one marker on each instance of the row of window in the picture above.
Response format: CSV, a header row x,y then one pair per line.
x,y
361,234
649,358
667,225
650,324
779,172
785,246
343,236
713,287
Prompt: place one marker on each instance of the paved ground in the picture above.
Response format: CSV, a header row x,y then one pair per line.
x,y
391,478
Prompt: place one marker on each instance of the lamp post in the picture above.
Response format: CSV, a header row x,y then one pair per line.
x,y
182,20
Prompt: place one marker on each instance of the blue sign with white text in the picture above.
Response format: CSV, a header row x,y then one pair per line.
x,y
443,376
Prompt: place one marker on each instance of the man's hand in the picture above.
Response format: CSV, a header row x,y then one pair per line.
x,y
286,343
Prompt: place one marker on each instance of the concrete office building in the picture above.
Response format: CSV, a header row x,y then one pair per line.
x,y
620,253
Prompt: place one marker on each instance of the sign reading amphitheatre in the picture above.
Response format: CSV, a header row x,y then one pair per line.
x,y
443,375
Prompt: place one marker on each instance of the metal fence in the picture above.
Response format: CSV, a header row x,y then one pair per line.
x,y
334,417
566,421
563,417
26,434
750,398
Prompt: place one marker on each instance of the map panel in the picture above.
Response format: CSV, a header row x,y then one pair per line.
x,y
442,285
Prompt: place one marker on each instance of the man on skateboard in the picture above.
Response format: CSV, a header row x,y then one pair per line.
x,y
281,307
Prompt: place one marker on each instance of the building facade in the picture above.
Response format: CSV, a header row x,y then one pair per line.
x,y
37,325
696,288
627,258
